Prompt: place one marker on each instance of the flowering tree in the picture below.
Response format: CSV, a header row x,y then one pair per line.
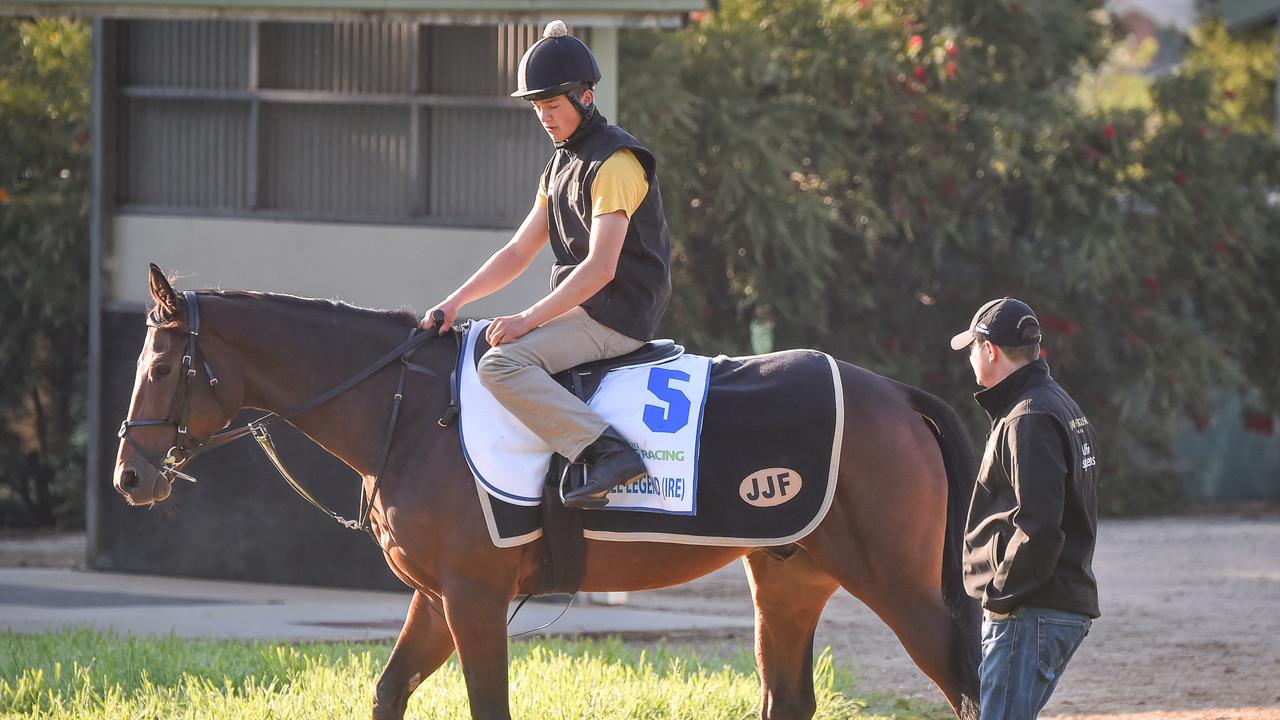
x,y
861,175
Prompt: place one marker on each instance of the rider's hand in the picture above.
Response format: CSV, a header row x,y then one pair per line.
x,y
450,311
507,328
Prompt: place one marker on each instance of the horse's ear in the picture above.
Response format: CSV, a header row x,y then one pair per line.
x,y
162,293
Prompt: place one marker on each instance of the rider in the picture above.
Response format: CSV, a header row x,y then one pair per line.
x,y
599,206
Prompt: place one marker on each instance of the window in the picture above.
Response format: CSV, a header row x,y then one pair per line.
x,y
383,121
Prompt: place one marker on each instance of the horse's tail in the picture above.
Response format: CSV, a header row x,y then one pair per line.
x,y
957,455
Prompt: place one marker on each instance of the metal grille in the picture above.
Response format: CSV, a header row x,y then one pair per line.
x,y
382,120
184,154
485,164
347,57
336,162
184,53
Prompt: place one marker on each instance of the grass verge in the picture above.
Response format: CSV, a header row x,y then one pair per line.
x,y
88,675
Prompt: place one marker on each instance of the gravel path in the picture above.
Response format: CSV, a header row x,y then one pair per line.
x,y
1190,626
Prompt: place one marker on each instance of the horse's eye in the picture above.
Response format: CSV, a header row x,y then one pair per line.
x,y
162,370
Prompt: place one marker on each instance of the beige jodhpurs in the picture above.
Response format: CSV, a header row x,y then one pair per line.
x,y
518,373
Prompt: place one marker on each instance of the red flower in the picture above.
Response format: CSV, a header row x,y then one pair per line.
x,y
952,50
1134,339
951,68
1109,131
1064,326
1180,178
920,73
864,3
1261,423
915,43
1229,94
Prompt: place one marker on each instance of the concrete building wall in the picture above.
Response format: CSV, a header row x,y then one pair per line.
x,y
368,265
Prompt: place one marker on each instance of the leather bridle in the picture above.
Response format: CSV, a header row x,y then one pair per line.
x,y
186,447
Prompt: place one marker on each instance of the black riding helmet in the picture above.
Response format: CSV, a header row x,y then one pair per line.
x,y
557,64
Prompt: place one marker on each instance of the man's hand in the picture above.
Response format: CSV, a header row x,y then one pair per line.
x,y
450,310
508,328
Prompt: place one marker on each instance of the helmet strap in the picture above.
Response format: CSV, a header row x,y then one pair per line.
x,y
587,113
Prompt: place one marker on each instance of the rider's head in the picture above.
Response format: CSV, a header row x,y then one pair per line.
x,y
558,75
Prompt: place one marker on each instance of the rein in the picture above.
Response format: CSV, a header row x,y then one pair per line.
x,y
186,448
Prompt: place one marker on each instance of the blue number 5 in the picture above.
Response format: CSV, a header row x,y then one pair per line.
x,y
676,415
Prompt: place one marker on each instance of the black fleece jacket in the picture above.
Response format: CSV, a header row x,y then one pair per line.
x,y
1032,520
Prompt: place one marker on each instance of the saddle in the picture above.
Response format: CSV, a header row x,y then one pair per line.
x,y
564,548
584,379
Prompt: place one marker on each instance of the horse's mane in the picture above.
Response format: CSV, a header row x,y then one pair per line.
x,y
403,316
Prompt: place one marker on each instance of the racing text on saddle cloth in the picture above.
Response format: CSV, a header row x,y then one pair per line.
x,y
657,407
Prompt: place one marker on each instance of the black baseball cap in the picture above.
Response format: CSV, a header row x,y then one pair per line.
x,y
1007,322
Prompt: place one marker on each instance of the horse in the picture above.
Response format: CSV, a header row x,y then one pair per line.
x,y
892,536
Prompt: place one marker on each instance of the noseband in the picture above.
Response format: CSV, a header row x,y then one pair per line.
x,y
186,447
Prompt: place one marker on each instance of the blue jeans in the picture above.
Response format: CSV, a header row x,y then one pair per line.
x,y
1022,658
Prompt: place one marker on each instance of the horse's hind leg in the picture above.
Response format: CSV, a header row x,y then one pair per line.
x,y
424,644
789,596
899,579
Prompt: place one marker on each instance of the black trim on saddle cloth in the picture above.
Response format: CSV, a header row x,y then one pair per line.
x,y
770,447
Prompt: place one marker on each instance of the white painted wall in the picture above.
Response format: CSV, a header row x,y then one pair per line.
x,y
369,265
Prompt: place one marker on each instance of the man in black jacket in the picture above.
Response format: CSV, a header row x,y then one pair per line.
x,y
1032,520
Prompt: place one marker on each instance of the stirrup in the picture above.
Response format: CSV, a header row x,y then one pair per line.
x,y
591,502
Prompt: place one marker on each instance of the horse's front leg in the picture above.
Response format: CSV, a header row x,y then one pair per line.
x,y
477,620
424,644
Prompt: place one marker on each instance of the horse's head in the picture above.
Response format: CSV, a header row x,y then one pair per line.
x,y
177,402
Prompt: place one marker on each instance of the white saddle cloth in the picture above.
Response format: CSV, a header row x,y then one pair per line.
x,y
657,407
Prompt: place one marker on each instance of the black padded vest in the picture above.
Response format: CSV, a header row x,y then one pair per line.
x,y
634,301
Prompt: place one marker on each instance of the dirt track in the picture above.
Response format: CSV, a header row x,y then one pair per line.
x,y
1190,625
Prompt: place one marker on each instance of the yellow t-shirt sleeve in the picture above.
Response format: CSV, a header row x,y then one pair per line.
x,y
620,184
541,199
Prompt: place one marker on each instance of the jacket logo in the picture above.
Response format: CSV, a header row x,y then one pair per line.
x,y
1089,458
770,487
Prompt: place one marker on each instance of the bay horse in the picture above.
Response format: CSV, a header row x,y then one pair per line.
x,y
891,537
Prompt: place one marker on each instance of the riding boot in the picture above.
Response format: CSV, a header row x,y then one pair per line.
x,y
610,461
